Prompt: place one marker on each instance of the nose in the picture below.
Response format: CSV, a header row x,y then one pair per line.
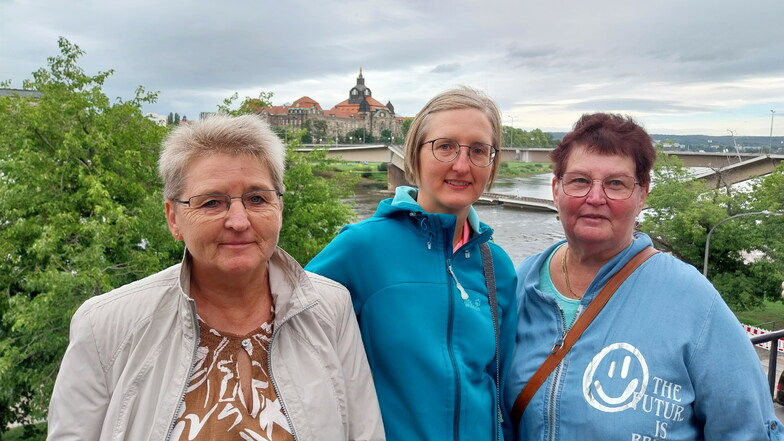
x,y
237,216
596,193
462,162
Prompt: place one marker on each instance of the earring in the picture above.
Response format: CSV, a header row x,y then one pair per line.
x,y
557,216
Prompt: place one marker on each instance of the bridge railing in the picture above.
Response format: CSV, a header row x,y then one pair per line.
x,y
774,338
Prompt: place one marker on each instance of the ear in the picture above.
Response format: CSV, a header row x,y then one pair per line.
x,y
171,220
555,189
643,197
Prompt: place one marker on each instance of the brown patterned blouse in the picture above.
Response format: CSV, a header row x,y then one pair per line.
x,y
230,395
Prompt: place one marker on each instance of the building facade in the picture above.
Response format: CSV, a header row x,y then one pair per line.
x,y
359,111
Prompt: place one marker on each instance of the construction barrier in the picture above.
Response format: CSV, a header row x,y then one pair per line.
x,y
753,331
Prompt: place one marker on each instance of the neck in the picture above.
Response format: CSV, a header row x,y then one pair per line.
x,y
460,228
237,308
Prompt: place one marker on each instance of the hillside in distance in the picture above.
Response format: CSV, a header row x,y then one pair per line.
x,y
710,143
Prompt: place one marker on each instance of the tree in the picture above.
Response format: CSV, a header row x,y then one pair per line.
x,y
406,125
247,106
360,135
313,207
745,257
386,135
81,214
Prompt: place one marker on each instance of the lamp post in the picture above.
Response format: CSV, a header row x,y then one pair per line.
x,y
732,132
707,240
772,112
511,130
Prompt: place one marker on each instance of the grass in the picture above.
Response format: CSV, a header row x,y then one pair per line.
x,y
522,169
769,316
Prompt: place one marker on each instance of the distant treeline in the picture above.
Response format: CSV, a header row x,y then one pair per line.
x,y
712,143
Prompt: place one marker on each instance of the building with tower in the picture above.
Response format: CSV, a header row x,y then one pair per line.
x,y
359,111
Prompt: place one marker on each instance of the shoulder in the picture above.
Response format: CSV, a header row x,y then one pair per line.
x,y
138,301
333,299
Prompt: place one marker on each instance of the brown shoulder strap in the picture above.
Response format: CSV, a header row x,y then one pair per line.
x,y
576,330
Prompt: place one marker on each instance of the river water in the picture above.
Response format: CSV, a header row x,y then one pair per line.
x,y
521,232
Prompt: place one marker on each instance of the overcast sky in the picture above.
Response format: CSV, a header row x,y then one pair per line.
x,y
678,66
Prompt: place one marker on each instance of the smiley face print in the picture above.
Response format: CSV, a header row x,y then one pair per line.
x,y
616,378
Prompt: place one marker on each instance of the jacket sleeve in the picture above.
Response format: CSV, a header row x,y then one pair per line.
x,y
506,283
732,396
80,397
332,263
364,415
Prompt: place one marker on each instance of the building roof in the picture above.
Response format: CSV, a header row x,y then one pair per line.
x,y
345,110
306,103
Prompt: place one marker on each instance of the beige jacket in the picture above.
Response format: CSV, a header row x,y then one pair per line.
x,y
124,373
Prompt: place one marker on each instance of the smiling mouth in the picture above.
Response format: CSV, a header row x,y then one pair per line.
x,y
457,183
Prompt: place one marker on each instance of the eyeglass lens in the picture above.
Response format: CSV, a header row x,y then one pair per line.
x,y
615,187
218,203
447,150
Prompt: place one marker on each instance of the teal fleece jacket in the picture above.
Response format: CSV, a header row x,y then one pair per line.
x,y
431,350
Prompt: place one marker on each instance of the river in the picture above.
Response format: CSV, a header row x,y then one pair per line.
x,y
521,232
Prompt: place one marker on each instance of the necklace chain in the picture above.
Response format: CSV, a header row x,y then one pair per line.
x,y
566,274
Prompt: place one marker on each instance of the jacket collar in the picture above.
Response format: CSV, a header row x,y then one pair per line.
x,y
292,290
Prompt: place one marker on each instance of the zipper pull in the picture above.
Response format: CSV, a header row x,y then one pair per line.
x,y
559,344
463,293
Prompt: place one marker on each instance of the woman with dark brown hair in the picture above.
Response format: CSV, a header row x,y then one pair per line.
x,y
664,358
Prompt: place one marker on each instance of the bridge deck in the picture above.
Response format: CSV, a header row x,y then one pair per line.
x,y
516,201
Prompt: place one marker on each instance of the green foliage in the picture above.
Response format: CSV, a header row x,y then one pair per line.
x,y
745,255
383,166
360,135
247,106
81,214
312,209
521,138
406,125
518,169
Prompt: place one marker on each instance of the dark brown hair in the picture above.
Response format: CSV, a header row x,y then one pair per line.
x,y
608,134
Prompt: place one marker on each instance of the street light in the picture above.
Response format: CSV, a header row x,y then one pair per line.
x,y
707,240
772,112
732,132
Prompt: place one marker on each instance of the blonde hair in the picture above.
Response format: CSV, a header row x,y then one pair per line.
x,y
453,99
233,135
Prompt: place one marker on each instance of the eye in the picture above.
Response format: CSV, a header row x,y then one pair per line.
x,y
480,150
444,145
255,199
617,183
578,180
209,202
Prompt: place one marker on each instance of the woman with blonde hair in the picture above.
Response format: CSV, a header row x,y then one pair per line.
x,y
433,295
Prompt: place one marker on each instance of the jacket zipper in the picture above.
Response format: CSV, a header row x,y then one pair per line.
x,y
272,377
552,392
190,369
450,324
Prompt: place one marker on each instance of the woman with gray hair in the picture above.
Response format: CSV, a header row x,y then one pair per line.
x,y
235,342
434,297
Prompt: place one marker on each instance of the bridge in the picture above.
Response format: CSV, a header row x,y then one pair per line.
x,y
725,168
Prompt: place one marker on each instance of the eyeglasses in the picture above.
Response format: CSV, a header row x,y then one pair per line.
x,y
216,204
615,187
447,150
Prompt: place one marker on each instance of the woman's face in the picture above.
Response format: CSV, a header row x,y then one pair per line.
x,y
238,241
451,187
595,222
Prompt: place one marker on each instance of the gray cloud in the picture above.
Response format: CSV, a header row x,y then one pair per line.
x,y
543,62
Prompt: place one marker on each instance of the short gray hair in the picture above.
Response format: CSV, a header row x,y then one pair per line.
x,y
233,135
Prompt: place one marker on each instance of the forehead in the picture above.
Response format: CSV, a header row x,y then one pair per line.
x,y
463,125
222,172
583,160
